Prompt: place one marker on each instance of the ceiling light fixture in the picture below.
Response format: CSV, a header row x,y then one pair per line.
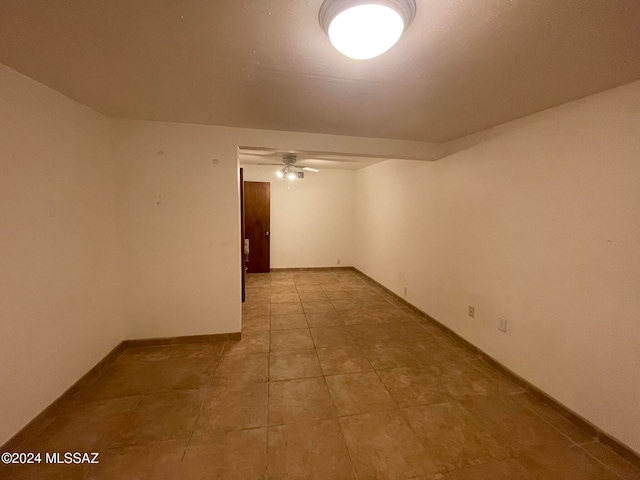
x,y
289,173
363,29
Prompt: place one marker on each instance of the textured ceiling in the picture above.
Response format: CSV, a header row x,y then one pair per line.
x,y
321,160
462,66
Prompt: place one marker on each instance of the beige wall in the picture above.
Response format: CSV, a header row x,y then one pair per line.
x,y
537,221
114,229
312,219
60,311
180,221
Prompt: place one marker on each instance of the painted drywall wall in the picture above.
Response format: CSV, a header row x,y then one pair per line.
x,y
537,221
178,193
113,229
312,219
60,311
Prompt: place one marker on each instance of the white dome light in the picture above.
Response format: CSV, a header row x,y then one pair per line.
x,y
362,30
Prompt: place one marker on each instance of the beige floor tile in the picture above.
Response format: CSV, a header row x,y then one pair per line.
x,y
361,315
331,336
285,297
242,368
251,342
461,380
575,433
340,295
304,279
313,296
310,450
239,455
373,314
187,373
370,334
281,274
344,359
84,427
282,282
289,364
498,383
286,289
287,322
390,355
158,417
123,380
414,386
452,437
256,324
390,314
324,319
202,351
509,469
254,315
286,308
465,352
309,288
347,303
256,309
383,446
515,426
158,461
433,352
299,400
133,356
317,307
263,297
566,463
235,406
359,393
432,328
410,331
295,339
332,286
257,290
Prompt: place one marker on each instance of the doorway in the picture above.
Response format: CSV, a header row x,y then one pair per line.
x,y
257,218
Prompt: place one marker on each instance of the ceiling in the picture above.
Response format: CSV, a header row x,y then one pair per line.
x,y
319,160
461,67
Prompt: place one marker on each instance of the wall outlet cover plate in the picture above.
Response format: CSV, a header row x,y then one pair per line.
x,y
502,326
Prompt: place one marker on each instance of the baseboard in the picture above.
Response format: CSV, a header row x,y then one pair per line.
x,y
311,269
157,342
44,418
616,445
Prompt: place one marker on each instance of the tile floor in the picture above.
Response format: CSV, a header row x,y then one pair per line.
x,y
332,380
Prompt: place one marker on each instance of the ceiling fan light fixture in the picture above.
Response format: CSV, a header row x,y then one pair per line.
x,y
281,173
363,29
292,176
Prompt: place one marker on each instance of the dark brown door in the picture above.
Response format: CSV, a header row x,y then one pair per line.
x,y
257,205
242,237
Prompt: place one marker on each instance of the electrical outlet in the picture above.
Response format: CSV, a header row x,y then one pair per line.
x,y
502,326
338,261
472,311
405,291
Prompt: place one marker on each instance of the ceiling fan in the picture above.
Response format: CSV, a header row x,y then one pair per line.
x,y
291,171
